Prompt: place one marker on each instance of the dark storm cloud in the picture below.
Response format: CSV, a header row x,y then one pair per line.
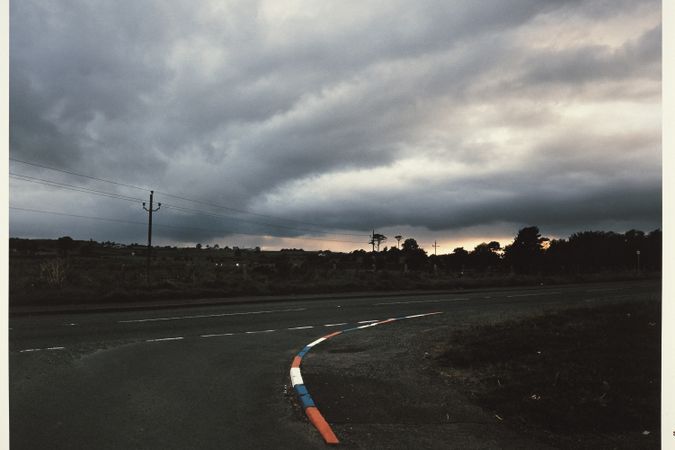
x,y
244,103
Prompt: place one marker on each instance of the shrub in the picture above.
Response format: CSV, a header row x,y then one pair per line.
x,y
53,272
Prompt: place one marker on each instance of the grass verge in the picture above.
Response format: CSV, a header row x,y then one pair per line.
x,y
582,378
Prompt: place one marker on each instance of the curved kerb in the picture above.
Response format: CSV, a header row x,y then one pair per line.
x,y
306,400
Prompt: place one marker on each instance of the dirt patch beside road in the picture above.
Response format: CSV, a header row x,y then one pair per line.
x,y
390,397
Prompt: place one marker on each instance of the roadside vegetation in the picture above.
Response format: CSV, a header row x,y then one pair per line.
x,y
70,271
581,378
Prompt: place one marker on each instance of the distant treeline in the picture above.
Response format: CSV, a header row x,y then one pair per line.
x,y
531,253
587,251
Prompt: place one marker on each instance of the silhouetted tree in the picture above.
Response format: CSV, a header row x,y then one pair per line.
x,y
458,259
376,239
653,253
415,257
410,244
592,251
524,255
484,256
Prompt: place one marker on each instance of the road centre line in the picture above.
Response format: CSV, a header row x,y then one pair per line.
x,y
423,301
216,335
177,338
204,316
603,290
368,323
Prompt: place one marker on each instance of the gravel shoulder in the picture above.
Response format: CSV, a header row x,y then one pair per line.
x,y
380,389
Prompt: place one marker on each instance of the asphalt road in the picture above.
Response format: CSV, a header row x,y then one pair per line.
x,y
216,377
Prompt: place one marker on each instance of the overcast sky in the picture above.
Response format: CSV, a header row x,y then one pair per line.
x,y
459,121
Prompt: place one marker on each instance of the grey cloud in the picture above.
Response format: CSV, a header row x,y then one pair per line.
x,y
560,210
200,101
640,58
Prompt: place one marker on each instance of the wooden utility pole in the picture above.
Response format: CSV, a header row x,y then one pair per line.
x,y
435,246
150,210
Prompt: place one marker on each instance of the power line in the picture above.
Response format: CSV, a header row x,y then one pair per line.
x,y
174,207
72,187
241,211
78,174
211,230
208,213
106,219
213,205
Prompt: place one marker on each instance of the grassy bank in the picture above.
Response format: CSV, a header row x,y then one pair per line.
x,y
582,378
119,275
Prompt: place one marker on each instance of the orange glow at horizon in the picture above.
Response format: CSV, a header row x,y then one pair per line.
x,y
444,246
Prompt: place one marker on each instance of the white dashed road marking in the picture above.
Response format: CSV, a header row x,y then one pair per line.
x,y
368,323
41,349
216,335
177,338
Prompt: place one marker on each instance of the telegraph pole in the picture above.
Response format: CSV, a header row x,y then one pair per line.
x,y
150,210
435,246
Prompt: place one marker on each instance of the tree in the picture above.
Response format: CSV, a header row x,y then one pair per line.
x,y
398,240
377,239
415,257
484,256
457,260
525,252
652,250
459,251
410,244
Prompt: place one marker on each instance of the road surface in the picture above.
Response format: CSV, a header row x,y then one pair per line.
x,y
217,376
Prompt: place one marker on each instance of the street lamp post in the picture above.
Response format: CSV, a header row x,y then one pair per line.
x,y
637,253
